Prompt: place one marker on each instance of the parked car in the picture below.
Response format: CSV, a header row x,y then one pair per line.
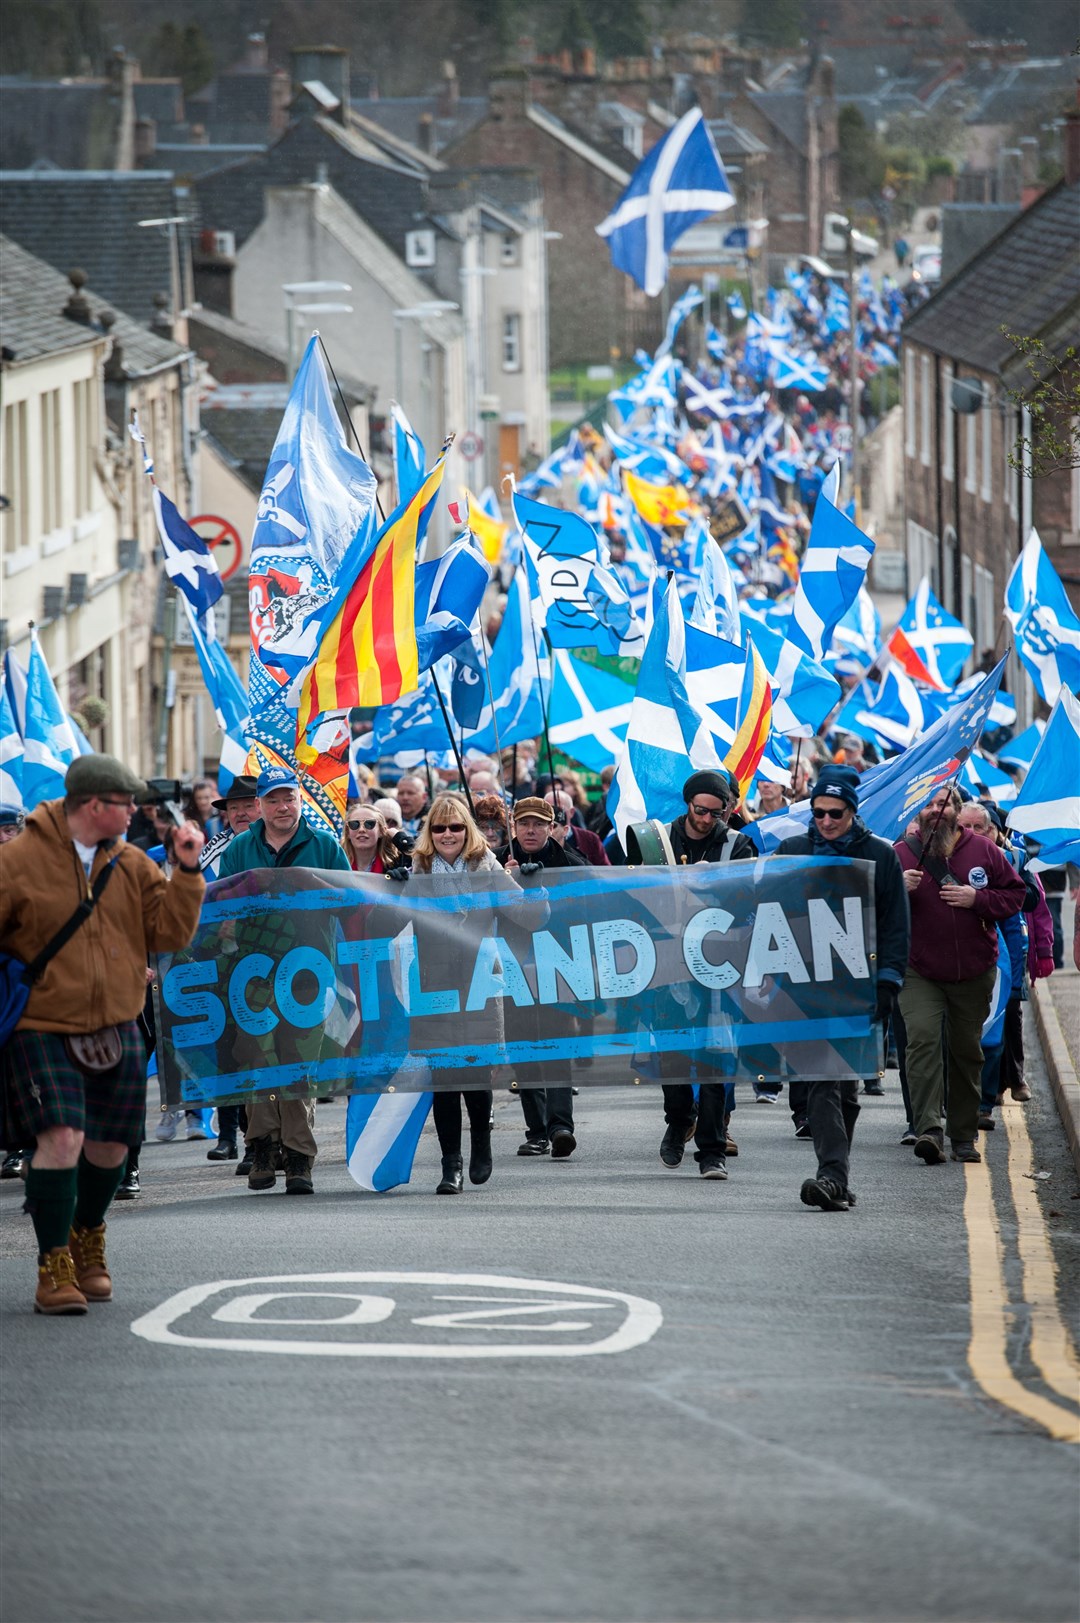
x,y
926,264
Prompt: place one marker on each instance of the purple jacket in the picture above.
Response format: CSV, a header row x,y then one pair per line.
x,y
960,943
1040,932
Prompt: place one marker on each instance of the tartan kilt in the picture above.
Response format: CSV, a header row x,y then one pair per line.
x,y
42,1088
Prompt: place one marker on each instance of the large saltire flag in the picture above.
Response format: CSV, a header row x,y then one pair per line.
x,y
680,182
930,643
368,654
1048,805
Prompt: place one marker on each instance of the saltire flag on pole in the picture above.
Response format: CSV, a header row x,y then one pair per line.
x,y
833,570
11,755
382,1131
929,643
692,299
189,563
368,653
1044,623
519,676
448,592
1048,805
680,182
890,794
408,456
667,737
589,711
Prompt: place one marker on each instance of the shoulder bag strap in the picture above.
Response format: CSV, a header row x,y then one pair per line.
x,y
74,923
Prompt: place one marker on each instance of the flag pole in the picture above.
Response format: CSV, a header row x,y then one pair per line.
x,y
348,419
543,700
453,743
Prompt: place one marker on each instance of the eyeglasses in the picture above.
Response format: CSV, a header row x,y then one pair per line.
x,y
708,811
819,813
128,802
369,823
448,828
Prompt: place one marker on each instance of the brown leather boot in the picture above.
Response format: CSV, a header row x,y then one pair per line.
x,y
88,1253
57,1291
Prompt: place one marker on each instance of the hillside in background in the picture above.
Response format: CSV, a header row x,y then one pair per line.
x,y
404,44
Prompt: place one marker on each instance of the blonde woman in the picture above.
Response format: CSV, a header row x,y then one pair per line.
x,y
366,840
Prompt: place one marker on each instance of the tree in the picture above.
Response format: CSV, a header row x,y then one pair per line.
x,y
1052,401
862,160
773,22
186,56
619,26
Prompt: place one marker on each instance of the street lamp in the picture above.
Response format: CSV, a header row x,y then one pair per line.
x,y
292,309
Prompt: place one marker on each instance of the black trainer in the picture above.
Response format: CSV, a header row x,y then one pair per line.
x,y
535,1146
224,1150
824,1194
711,1166
674,1142
129,1185
802,1129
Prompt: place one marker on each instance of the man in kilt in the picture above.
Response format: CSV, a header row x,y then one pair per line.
x,y
74,1070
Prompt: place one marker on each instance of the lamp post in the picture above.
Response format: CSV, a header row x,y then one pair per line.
x,y
292,309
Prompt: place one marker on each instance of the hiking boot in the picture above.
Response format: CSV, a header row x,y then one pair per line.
x,y
824,1194
297,1174
264,1155
88,1255
674,1143
730,1146
987,1124
57,1290
930,1147
963,1149
246,1161
224,1150
452,1180
1022,1093
563,1143
480,1155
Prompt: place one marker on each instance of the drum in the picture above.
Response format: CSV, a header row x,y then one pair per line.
x,y
648,844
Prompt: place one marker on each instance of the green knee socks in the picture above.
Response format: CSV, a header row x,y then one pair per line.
x,y
50,1201
97,1186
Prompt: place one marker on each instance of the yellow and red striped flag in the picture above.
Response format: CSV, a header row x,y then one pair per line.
x,y
367,655
755,720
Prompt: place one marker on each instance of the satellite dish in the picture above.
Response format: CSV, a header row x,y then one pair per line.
x,y
967,395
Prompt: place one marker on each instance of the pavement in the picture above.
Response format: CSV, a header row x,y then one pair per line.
x,y
589,1390
1056,1007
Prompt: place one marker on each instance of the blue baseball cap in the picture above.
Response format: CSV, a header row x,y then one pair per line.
x,y
276,777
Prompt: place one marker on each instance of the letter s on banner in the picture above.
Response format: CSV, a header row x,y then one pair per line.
x,y
610,980
204,1010
710,921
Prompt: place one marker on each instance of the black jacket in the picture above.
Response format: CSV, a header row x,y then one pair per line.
x,y
890,895
551,855
711,849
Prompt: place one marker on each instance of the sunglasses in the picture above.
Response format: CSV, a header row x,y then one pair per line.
x,y
834,815
448,828
369,823
708,811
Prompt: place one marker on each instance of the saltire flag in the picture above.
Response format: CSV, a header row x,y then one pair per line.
x,y
833,570
547,476
715,669
588,712
891,793
736,307
667,737
716,606
11,754
890,715
382,1131
803,372
651,462
409,456
715,342
929,643
664,506
448,593
804,691
314,528
1048,806
189,562
680,182
414,722
1020,751
576,599
857,634
49,742
368,654
691,300
979,773
1044,623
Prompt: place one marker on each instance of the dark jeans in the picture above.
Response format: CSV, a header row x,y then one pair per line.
x,y
991,1078
711,1137
832,1111
1012,1058
547,1110
231,1119
446,1114
798,1098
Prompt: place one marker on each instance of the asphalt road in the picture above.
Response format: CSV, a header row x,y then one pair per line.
x,y
791,1431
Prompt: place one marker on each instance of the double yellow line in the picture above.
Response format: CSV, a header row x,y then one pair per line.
x,y
1051,1349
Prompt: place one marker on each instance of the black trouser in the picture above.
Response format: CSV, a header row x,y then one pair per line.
x,y
446,1114
798,1098
546,1110
832,1111
1012,1056
231,1119
711,1136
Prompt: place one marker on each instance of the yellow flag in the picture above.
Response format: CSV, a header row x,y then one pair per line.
x,y
658,504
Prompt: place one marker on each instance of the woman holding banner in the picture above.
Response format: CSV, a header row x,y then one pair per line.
x,y
366,840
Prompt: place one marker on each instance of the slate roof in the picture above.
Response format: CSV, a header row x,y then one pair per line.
x,y
1045,84
32,300
244,436
400,116
90,219
389,198
785,112
159,99
733,142
1024,279
72,125
967,227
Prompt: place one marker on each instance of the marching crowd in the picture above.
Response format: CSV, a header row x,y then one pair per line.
x,y
93,884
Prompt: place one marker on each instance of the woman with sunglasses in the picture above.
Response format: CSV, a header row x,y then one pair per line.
x,y
450,847
366,840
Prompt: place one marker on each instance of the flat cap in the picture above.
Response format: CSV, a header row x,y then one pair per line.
x,y
533,806
101,775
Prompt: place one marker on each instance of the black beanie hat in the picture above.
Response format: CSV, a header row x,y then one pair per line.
x,y
717,784
842,782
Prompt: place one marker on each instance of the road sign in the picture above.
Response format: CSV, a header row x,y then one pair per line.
x,y
471,446
843,439
223,539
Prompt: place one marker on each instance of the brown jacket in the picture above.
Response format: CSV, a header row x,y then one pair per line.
x,y
99,978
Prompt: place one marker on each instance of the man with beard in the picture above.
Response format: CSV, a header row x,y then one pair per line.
x,y
832,1107
959,887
